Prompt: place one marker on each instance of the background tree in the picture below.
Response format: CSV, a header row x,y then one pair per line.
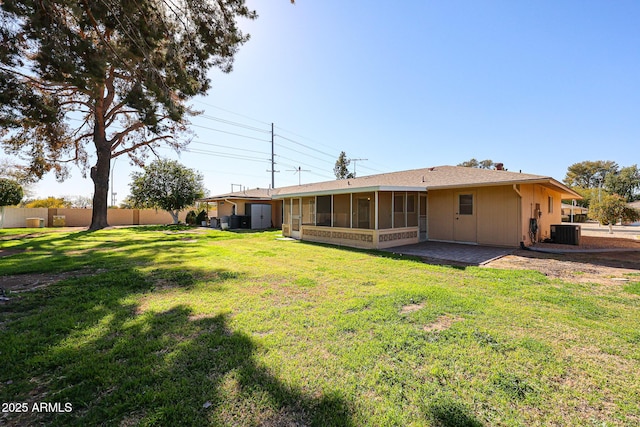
x,y
625,182
124,69
49,202
341,169
611,209
589,195
166,185
10,192
480,164
589,174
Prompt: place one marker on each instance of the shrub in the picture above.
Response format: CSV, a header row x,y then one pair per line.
x,y
191,218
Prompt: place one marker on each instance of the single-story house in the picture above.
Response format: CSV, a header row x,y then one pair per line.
x,y
634,205
578,213
253,208
443,203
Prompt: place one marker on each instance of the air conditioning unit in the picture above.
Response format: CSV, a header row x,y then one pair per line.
x,y
565,234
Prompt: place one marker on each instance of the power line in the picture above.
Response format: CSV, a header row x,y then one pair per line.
x,y
229,133
230,147
306,146
232,123
304,154
231,112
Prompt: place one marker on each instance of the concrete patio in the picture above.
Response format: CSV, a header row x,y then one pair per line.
x,y
453,252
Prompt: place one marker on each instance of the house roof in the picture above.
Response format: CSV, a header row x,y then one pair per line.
x,y
258,194
434,178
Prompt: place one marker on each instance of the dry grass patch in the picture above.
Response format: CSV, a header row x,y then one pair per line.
x,y
442,323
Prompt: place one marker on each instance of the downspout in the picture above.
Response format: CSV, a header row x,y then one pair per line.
x,y
515,188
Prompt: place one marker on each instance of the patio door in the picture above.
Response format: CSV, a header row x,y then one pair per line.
x,y
423,218
364,213
465,220
296,217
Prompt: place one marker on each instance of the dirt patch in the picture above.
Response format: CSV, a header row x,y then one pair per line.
x,y
411,308
596,242
30,282
442,323
620,258
9,252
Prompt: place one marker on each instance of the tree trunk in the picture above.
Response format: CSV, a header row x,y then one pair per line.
x,y
174,215
100,172
100,178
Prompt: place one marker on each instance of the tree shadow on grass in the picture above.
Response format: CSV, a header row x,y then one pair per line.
x,y
87,343
447,412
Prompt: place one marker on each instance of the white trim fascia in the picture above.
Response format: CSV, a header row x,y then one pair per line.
x,y
348,191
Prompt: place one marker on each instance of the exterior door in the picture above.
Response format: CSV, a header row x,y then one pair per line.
x,y
465,223
364,213
423,218
296,217
260,216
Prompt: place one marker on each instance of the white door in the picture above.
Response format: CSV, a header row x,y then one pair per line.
x,y
464,223
423,218
296,217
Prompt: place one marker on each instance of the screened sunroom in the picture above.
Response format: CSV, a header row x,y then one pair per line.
x,y
366,218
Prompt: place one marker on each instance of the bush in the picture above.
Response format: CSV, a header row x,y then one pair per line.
x,y
191,218
202,216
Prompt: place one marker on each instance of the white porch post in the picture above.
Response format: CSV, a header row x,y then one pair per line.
x,y
332,211
376,210
393,209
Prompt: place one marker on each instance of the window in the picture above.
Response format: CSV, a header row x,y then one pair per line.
x,y
411,203
398,203
323,217
465,204
550,200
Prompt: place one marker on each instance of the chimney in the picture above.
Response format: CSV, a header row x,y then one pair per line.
x,y
499,166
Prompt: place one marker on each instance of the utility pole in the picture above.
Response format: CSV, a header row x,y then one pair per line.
x,y
354,164
299,171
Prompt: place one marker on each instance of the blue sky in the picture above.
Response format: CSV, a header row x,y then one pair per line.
x,y
535,85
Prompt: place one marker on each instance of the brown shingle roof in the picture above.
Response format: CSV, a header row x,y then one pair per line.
x,y
434,178
254,193
439,177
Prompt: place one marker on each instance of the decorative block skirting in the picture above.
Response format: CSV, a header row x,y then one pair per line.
x,y
343,235
401,235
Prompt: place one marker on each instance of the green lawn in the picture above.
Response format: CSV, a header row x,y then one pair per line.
x,y
169,326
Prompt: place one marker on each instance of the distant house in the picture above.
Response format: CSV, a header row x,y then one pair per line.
x,y
444,203
635,205
577,213
252,208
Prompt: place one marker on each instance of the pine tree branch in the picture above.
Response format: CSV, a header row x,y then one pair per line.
x,y
142,144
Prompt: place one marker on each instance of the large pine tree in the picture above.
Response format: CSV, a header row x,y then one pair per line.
x,y
87,81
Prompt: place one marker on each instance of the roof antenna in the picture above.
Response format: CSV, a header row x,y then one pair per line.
x,y
298,171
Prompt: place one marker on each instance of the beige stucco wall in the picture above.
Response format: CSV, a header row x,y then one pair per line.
x,y
498,216
496,210
532,194
440,215
11,217
73,217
